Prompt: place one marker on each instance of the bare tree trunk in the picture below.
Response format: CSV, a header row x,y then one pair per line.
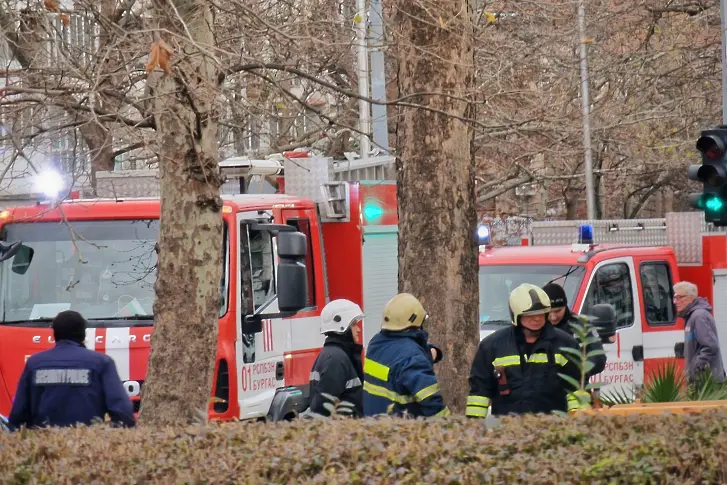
x,y
668,201
571,205
643,199
99,141
99,138
179,379
436,176
27,47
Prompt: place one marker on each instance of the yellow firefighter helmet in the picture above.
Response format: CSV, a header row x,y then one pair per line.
x,y
528,299
403,311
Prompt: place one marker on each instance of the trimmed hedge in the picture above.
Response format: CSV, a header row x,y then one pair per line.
x,y
532,449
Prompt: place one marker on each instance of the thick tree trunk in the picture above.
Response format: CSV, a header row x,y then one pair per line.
x,y
179,380
436,176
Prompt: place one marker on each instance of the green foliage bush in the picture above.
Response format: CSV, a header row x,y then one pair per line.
x,y
685,449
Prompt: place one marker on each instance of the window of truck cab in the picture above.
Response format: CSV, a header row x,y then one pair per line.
x,y
658,293
303,225
497,281
225,283
104,269
258,253
258,266
611,283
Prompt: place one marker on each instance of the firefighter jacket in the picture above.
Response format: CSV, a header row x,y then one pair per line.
x,y
528,383
69,385
399,376
337,371
598,361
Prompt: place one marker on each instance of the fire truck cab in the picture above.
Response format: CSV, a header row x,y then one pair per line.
x,y
631,265
98,256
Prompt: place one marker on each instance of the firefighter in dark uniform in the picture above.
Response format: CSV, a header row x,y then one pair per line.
x,y
561,317
69,384
338,370
399,374
515,369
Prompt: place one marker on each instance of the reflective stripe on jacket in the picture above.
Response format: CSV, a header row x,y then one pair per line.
x,y
399,376
533,381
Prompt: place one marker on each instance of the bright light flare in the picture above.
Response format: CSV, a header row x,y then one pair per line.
x,y
49,183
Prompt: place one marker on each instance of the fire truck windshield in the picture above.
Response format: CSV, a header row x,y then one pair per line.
x,y
104,269
497,281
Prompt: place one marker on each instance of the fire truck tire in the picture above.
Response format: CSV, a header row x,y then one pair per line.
x,y
287,404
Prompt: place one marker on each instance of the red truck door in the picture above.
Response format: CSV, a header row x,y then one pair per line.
x,y
663,330
304,339
259,355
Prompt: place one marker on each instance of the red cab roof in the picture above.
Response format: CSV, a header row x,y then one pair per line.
x,y
564,254
139,208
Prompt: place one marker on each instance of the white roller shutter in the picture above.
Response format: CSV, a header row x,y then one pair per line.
x,y
720,309
380,274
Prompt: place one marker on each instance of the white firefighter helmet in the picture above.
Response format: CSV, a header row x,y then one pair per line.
x,y
528,299
338,315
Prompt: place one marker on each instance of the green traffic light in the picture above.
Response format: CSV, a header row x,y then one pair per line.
x,y
714,204
372,211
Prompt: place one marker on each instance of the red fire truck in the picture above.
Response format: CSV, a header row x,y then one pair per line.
x,y
97,256
629,264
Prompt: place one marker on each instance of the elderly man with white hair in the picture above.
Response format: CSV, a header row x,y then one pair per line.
x,y
701,344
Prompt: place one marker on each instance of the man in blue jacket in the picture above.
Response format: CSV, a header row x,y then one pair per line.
x,y
399,374
69,384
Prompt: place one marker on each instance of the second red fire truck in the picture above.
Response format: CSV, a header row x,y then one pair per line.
x,y
631,265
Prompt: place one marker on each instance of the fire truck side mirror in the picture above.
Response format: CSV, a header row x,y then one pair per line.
x,y
292,272
22,256
8,250
605,321
292,245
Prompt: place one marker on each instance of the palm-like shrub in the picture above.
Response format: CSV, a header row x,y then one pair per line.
x,y
668,383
